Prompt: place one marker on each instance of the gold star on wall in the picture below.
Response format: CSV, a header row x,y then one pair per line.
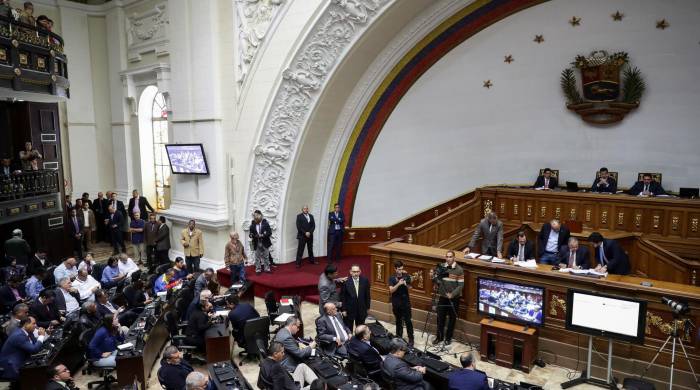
x,y
508,59
662,24
575,21
617,16
539,38
488,84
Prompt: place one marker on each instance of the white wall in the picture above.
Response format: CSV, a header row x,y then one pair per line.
x,y
449,134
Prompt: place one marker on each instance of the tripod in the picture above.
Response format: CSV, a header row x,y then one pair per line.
x,y
441,349
675,337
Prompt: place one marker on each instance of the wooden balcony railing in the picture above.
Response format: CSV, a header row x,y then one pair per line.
x,y
29,184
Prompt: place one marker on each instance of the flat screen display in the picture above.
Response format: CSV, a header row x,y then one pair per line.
x,y
606,316
187,159
511,301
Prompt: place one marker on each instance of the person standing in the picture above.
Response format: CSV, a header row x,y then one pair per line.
x,y
305,235
491,230
150,232
336,228
18,248
30,157
114,222
193,246
399,285
260,233
139,204
99,207
89,225
327,291
163,242
450,286
75,227
355,298
136,227
234,258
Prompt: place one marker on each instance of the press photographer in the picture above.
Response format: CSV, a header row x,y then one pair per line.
x,y
449,278
399,284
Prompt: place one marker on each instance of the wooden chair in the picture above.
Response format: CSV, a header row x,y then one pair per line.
x,y
654,176
555,172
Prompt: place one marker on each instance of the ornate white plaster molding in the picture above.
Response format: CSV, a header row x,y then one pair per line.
x,y
147,32
254,21
339,25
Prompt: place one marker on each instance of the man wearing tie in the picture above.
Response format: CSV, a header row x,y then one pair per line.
x,y
521,249
163,242
491,230
113,222
150,231
545,181
76,223
118,206
19,347
99,207
609,255
574,255
647,187
331,331
604,183
336,221
360,348
354,294
305,235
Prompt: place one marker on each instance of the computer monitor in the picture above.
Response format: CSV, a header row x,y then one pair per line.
x,y
511,301
187,159
606,316
572,186
691,193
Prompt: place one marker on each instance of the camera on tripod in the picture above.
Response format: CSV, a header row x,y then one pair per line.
x,y
678,307
440,272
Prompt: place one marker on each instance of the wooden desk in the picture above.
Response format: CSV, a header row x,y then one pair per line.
x,y
34,375
137,365
218,343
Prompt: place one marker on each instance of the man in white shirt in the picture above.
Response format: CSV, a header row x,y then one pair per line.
x,y
86,285
126,265
64,296
66,269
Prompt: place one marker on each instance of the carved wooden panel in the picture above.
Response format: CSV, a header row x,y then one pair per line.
x,y
660,325
605,217
693,230
675,223
557,305
656,225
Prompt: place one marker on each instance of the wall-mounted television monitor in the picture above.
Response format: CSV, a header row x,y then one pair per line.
x,y
187,159
511,301
606,316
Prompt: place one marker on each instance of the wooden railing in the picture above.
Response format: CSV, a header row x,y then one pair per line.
x,y
29,183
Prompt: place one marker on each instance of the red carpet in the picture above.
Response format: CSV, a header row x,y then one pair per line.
x,y
286,279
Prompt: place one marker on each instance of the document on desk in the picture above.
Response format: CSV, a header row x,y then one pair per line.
x,y
526,264
471,255
221,313
124,346
283,317
485,257
497,260
584,272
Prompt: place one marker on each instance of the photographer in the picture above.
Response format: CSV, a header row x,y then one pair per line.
x,y
450,281
399,283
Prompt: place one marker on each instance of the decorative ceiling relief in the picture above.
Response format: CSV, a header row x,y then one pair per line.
x,y
254,20
147,32
342,22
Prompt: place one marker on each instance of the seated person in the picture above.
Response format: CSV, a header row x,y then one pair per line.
x,y
105,307
545,181
90,318
45,311
360,349
467,377
88,263
173,369
60,378
85,284
604,182
67,269
574,255
67,298
521,249
166,281
34,284
239,313
197,381
180,269
293,354
111,276
403,376
204,295
102,350
551,238
332,332
274,375
18,348
203,280
647,187
609,255
126,265
198,324
12,294
19,312
135,294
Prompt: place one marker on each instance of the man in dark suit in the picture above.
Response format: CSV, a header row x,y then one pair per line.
x,y
574,255
260,233
11,294
75,224
163,242
173,369
545,181
336,227
18,248
467,377
647,187
551,238
7,168
305,235
490,230
99,207
114,222
139,204
117,204
197,325
38,261
609,255
403,376
19,347
273,375
521,249
294,355
150,232
360,349
44,309
239,313
331,331
354,294
604,182
60,378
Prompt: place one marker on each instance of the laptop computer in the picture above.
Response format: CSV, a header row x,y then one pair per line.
x,y
571,186
690,193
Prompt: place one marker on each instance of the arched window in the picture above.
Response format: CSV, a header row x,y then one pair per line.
x,y
153,135
160,158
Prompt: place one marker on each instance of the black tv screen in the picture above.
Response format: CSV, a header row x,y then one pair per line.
x,y
511,301
187,159
606,316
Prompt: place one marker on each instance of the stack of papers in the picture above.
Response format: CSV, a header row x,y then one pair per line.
x,y
584,272
471,255
485,257
122,347
526,264
497,260
283,317
221,313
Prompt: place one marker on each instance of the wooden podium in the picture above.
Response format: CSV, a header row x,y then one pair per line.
x,y
508,345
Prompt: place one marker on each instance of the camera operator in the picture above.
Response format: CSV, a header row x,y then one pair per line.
x,y
450,281
399,283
